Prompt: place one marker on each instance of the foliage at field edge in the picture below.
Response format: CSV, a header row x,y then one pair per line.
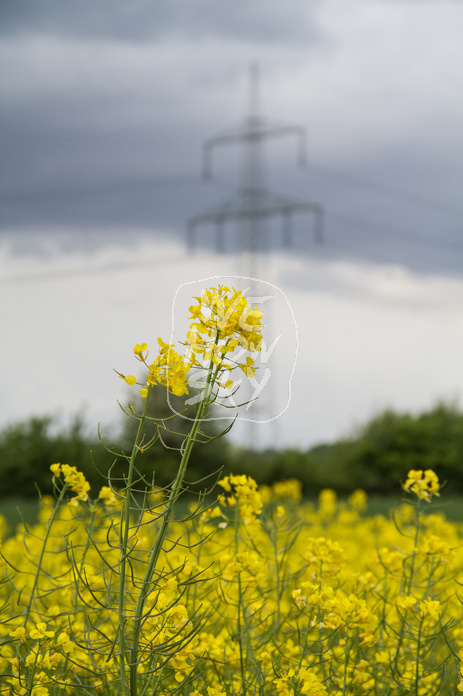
x,y
373,458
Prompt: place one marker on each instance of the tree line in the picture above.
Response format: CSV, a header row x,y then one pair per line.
x,y
375,457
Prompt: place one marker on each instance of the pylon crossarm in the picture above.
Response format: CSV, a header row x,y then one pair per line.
x,y
248,131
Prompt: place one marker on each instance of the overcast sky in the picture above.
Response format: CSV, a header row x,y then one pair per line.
x,y
105,107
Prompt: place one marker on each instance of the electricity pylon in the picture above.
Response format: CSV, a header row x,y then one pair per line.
x,y
254,204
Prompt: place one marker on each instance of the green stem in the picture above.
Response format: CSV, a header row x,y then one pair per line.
x,y
124,537
415,545
277,576
49,525
240,600
346,659
31,676
417,668
157,547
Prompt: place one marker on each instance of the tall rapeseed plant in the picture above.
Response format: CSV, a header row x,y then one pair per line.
x,y
224,326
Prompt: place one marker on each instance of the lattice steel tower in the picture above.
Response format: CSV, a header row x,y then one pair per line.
x,y
253,204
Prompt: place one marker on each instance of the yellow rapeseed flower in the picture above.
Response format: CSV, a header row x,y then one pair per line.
x,y
40,631
20,633
223,322
108,496
424,484
139,350
75,480
223,326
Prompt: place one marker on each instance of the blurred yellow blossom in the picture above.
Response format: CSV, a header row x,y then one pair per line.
x,y
424,484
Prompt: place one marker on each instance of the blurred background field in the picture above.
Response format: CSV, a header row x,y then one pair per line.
x,y
374,457
16,510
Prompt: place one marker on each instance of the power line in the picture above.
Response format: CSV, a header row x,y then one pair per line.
x,y
385,189
380,228
186,179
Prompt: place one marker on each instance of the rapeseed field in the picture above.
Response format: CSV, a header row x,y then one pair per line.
x,y
251,592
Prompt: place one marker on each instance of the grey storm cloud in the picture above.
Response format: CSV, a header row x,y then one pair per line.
x,y
106,105
142,20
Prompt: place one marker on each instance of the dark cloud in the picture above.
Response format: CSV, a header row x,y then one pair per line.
x,y
144,20
100,137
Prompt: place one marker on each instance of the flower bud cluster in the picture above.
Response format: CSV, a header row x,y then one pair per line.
x,y
223,322
243,490
169,369
74,479
424,484
224,327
